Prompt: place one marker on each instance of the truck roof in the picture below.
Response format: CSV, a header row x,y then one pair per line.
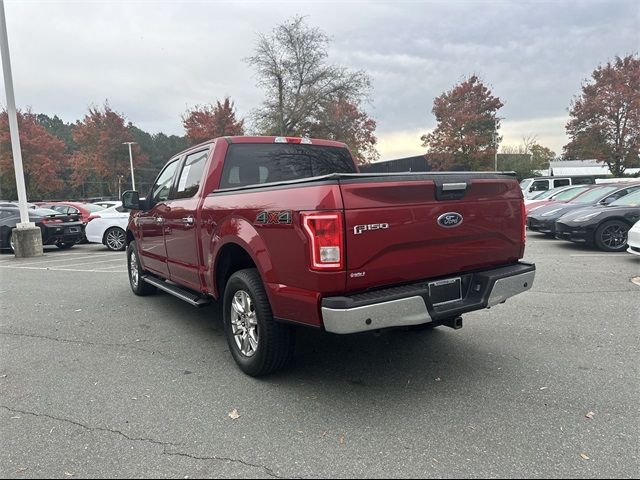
x,y
271,139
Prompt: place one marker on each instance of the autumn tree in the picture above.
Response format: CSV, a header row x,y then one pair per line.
x,y
43,157
59,128
463,137
343,121
604,120
205,122
101,155
292,68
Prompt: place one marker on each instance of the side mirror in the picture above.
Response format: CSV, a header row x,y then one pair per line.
x,y
608,200
131,200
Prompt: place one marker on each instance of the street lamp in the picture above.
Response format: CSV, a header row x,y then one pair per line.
x,y
133,182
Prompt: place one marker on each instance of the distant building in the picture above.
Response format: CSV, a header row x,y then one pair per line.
x,y
582,167
408,164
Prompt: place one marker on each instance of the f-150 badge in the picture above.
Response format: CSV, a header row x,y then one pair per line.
x,y
274,218
360,229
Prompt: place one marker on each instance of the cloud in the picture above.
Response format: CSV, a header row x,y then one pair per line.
x,y
154,59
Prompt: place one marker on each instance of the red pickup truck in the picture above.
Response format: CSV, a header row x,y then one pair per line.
x,y
286,232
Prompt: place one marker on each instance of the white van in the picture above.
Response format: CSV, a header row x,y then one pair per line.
x,y
532,186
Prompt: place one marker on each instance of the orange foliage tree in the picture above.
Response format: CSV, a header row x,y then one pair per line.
x,y
100,155
43,157
205,122
343,121
604,121
463,137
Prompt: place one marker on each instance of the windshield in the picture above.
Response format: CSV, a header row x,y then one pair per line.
x,y
631,200
570,193
593,195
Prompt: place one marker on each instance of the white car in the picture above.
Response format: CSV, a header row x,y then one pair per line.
x,y
633,239
108,227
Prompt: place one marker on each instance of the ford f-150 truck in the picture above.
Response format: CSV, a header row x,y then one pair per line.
x,y
285,232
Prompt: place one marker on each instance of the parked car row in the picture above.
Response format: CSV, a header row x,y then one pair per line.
x,y
596,215
66,223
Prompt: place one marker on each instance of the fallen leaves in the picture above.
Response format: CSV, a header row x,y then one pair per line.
x,y
590,415
234,415
341,440
584,456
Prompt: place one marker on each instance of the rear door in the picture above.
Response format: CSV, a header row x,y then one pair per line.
x,y
401,230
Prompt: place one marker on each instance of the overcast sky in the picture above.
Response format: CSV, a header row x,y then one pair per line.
x,y
153,59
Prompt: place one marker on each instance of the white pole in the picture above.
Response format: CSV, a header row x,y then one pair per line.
x,y
13,121
133,182
495,141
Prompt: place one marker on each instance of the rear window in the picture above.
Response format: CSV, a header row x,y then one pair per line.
x,y
93,208
254,164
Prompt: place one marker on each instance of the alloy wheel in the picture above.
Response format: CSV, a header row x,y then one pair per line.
x,y
244,323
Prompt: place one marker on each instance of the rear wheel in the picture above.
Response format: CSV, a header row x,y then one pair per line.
x,y
115,239
611,236
258,343
65,246
138,285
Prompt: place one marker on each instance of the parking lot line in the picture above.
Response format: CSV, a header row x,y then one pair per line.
x,y
119,260
599,255
40,262
58,269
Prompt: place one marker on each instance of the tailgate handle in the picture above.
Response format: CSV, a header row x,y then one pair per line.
x,y
447,187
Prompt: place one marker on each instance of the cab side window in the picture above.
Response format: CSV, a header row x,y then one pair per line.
x,y
162,188
561,183
539,186
191,174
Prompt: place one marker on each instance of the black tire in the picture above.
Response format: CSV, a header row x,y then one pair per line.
x,y
138,286
611,236
65,246
115,239
275,341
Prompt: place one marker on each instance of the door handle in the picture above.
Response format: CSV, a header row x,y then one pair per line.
x,y
188,221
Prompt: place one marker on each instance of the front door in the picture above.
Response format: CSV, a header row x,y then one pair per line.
x,y
151,223
181,233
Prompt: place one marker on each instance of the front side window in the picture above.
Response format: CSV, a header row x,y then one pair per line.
x,y
631,200
162,188
191,174
594,195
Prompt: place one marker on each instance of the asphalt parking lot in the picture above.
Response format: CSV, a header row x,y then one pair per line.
x,y
96,382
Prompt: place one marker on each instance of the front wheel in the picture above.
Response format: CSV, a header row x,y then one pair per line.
x,y
138,285
258,343
115,239
611,236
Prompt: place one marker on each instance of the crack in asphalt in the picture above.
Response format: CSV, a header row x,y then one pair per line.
x,y
82,342
164,445
89,428
266,469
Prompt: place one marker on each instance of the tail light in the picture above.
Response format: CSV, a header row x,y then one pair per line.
x,y
298,140
326,239
51,220
92,217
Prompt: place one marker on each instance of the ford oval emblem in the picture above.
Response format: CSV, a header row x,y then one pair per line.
x,y
450,220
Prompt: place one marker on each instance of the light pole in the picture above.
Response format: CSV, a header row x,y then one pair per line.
x,y
133,182
26,237
495,141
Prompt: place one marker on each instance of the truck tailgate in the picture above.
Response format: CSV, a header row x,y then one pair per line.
x,y
393,234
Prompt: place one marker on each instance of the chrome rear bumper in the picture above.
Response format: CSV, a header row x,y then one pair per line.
x,y
410,305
